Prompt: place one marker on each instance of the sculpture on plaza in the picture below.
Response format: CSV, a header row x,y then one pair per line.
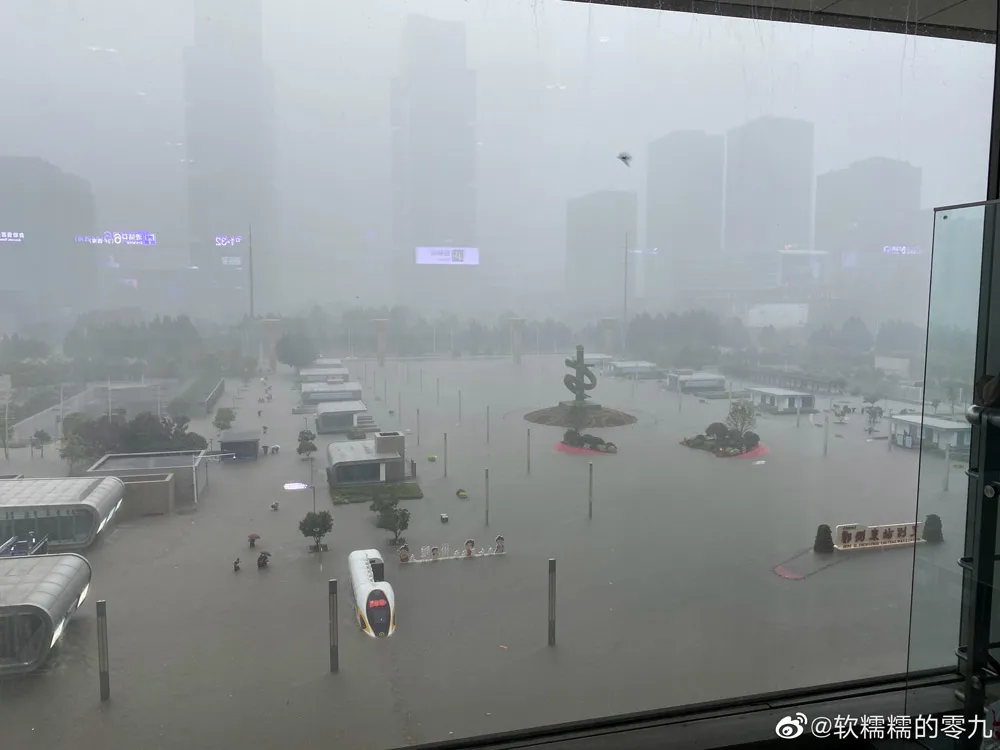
x,y
581,412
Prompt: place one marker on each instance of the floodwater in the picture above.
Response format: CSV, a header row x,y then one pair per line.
x,y
665,597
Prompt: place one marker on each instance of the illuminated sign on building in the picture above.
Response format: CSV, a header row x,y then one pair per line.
x,y
901,250
226,240
232,260
119,238
448,256
11,236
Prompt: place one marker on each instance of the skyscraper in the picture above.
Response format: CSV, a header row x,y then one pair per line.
x,y
684,198
869,222
230,150
433,111
42,211
769,186
868,196
599,226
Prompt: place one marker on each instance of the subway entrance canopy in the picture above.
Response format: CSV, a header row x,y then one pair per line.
x,y
38,596
973,20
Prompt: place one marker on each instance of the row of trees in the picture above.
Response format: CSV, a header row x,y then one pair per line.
x,y
86,439
388,515
892,337
654,336
410,333
162,338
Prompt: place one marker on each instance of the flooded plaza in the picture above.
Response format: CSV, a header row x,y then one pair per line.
x,y
667,596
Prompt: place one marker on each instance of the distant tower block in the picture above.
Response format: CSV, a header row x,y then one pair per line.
x,y
609,325
517,338
381,331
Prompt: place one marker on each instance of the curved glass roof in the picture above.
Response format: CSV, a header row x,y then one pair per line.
x,y
52,583
100,493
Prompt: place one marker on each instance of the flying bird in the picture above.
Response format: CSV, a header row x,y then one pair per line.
x,y
625,158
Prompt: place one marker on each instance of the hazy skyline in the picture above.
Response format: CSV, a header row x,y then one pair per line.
x,y
561,89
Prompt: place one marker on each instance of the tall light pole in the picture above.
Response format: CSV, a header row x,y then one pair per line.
x,y
250,265
296,486
625,297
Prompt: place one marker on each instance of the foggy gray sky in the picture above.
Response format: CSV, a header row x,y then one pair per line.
x,y
562,88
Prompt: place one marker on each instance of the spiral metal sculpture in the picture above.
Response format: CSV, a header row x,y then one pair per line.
x,y
582,380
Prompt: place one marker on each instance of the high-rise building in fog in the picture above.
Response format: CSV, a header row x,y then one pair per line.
x,y
597,227
229,123
45,270
859,208
769,186
433,119
684,199
869,223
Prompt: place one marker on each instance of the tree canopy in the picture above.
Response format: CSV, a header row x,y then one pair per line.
x,y
296,349
742,417
146,433
316,526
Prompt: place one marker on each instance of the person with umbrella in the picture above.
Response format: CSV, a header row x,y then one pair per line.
x,y
252,538
262,559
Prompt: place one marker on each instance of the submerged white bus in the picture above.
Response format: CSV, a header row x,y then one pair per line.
x,y
374,599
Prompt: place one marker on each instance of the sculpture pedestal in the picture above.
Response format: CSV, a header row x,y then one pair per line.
x,y
587,405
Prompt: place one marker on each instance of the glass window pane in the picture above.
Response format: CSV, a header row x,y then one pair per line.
x,y
941,434
430,205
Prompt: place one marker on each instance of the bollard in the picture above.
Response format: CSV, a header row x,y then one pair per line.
x,y
826,433
487,477
590,492
438,391
552,601
487,424
446,455
334,644
418,426
947,466
798,415
459,404
103,665
528,451
421,379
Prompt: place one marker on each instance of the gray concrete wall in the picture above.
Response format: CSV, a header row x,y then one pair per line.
x,y
395,471
183,479
149,495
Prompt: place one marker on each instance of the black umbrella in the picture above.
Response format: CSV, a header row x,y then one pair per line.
x,y
266,554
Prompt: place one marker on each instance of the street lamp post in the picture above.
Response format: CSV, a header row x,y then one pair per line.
x,y
298,486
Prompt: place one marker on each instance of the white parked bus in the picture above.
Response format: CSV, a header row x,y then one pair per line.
x,y
374,599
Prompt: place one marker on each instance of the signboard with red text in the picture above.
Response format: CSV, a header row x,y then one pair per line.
x,y
855,536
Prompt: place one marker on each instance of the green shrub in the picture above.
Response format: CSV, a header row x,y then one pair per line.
x,y
364,494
